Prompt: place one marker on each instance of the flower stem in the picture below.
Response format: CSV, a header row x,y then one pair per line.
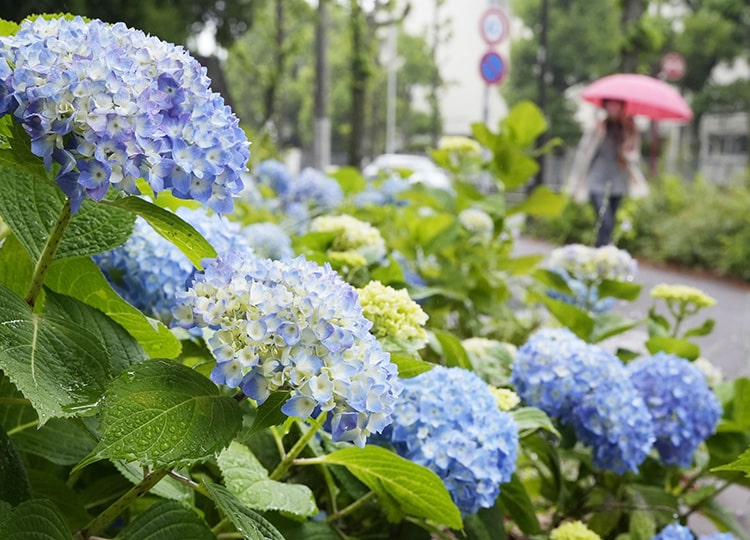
x,y
48,254
300,445
102,521
356,505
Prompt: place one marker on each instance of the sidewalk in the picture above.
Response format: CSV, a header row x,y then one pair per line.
x,y
727,347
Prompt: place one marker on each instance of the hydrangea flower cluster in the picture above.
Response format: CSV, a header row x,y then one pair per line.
x,y
358,241
490,359
683,294
506,399
478,222
448,421
293,325
675,531
384,192
584,386
573,530
684,409
110,104
275,175
148,270
393,313
583,268
269,241
459,144
316,191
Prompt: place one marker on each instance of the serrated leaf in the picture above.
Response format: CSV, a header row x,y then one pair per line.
x,y
306,530
167,520
516,503
409,366
411,488
245,477
61,441
37,518
624,290
452,351
14,482
45,485
80,278
31,205
251,525
172,227
54,363
679,347
610,324
164,414
16,267
269,413
741,464
121,348
168,487
530,419
16,413
577,320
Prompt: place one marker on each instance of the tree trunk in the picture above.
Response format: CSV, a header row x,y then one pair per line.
x,y
434,102
632,11
359,77
322,124
269,95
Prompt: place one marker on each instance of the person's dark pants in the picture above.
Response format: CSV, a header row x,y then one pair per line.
x,y
605,209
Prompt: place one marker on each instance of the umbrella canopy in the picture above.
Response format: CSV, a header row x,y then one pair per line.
x,y
642,95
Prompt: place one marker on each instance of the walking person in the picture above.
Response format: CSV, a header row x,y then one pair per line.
x,y
606,168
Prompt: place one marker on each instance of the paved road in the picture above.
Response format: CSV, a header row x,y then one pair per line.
x,y
727,347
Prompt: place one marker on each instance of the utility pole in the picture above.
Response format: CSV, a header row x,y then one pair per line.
x,y
321,121
392,68
542,87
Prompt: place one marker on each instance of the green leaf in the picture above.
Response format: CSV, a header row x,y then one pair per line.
x,y
517,505
61,441
741,405
543,202
46,485
269,413
167,520
487,524
577,320
679,347
172,227
703,330
80,278
31,205
251,525
245,477
483,135
164,414
610,324
524,123
742,464
306,530
522,265
452,351
16,267
624,290
399,483
121,348
55,363
16,413
642,522
168,487
14,482
37,518
552,280
409,366
350,179
530,419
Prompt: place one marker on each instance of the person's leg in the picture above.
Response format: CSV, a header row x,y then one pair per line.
x,y
601,211
608,220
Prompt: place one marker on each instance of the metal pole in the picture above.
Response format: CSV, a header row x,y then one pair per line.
x,y
321,122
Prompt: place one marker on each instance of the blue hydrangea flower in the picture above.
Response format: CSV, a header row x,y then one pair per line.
x,y
317,191
110,104
674,531
448,421
274,174
293,325
614,421
269,241
583,296
586,387
719,536
148,270
684,409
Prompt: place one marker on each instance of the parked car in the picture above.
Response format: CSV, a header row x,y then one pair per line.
x,y
414,168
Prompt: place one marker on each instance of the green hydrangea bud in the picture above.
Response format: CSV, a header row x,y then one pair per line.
x,y
684,294
393,313
573,530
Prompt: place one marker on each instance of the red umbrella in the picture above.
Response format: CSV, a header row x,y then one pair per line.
x,y
642,95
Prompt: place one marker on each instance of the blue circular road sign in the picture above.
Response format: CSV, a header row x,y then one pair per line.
x,y
492,68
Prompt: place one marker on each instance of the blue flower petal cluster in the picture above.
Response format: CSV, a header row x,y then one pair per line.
x,y
109,105
583,296
584,386
149,270
316,190
275,175
684,409
448,421
293,325
675,531
269,241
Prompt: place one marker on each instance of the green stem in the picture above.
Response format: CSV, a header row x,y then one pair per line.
x,y
22,427
14,401
192,484
704,500
300,445
102,521
220,525
48,254
356,505
429,527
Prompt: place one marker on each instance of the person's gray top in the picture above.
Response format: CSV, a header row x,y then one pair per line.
x,y
605,169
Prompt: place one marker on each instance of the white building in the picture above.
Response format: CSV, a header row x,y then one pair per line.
x,y
465,98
